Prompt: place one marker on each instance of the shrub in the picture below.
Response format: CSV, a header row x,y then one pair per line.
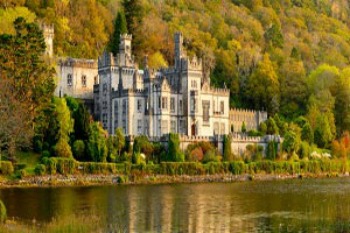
x,y
40,169
38,145
63,149
6,168
78,149
20,166
23,173
46,153
3,214
52,163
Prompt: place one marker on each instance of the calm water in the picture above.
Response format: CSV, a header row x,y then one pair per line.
x,y
309,205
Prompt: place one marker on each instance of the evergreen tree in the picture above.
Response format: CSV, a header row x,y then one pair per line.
x,y
227,148
174,153
120,28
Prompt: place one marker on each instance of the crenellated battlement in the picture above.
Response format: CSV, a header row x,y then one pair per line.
x,y
78,63
125,37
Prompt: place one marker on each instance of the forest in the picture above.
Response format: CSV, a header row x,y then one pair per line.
x,y
288,57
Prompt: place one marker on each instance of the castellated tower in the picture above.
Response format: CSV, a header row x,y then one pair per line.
x,y
49,33
125,55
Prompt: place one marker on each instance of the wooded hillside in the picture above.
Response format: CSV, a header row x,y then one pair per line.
x,y
289,57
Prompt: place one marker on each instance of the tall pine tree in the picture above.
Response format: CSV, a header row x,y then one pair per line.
x,y
120,27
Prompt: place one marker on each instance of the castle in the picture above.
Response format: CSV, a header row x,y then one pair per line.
x,y
150,102
153,103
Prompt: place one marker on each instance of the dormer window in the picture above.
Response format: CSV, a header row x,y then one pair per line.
x,y
69,80
83,80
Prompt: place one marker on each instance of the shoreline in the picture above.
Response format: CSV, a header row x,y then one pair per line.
x,y
115,179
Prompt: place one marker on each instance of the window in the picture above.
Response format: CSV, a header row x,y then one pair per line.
x,y
181,126
69,80
216,128
214,107
139,126
222,107
124,125
124,106
83,80
194,106
172,104
173,126
159,102
222,128
139,105
95,80
164,103
193,83
180,107
206,106
115,113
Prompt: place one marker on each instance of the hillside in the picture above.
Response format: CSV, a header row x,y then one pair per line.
x,y
289,57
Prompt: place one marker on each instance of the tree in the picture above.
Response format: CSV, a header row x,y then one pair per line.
x,y
227,148
120,28
271,127
292,139
15,124
263,86
134,14
120,140
143,145
342,102
307,133
79,150
174,153
97,148
274,36
26,74
323,134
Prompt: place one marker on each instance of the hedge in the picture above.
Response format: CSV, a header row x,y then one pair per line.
x,y
66,166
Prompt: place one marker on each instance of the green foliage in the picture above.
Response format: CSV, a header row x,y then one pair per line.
x,y
30,82
323,133
97,148
120,28
40,169
244,128
6,168
254,152
228,156
3,213
263,86
63,149
211,156
143,145
174,153
9,15
271,127
79,149
307,133
119,140
271,150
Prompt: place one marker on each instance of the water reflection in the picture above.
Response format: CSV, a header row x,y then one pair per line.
x,y
274,206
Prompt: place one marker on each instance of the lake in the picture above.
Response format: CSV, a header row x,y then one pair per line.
x,y
306,205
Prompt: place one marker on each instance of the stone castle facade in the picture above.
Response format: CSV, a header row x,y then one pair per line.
x,y
153,103
149,102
